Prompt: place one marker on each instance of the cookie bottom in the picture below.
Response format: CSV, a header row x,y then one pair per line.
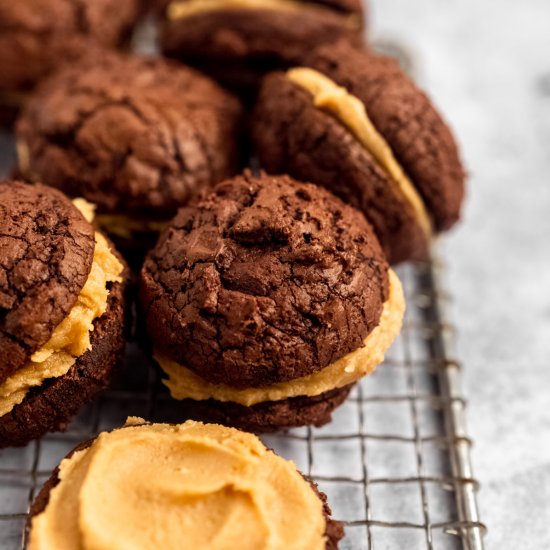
x,y
271,416
11,105
51,406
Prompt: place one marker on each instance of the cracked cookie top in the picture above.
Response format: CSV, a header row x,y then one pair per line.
x,y
46,252
264,280
36,37
135,135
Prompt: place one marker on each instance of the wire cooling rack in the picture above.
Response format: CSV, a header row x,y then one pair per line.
x,y
394,462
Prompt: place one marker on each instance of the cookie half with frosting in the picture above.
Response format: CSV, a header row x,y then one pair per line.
x,y
239,40
352,121
62,303
139,137
36,38
191,485
266,301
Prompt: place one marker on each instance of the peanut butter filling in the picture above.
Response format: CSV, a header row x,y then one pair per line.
x,y
71,338
351,112
87,209
185,384
182,9
24,160
198,486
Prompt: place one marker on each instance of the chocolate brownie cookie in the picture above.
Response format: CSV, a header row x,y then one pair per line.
x,y
239,40
50,407
61,329
37,37
352,121
193,450
267,290
264,281
137,136
46,249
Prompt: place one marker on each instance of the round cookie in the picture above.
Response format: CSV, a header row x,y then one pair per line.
x,y
264,281
265,301
136,136
239,40
236,461
352,121
62,295
36,38
46,249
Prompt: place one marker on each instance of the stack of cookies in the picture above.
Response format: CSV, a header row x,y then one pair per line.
x,y
260,184
266,301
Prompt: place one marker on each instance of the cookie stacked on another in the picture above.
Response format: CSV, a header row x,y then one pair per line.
x,y
136,136
192,485
237,41
266,301
352,121
61,296
37,37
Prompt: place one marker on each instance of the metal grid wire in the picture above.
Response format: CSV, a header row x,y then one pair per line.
x,y
394,462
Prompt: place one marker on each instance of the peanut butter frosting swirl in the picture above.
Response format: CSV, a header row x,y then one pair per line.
x,y
200,486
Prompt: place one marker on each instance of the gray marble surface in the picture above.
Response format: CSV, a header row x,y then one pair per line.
x,y
487,65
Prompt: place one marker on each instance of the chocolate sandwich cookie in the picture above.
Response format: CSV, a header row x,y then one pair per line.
x,y
61,295
239,40
155,485
266,300
37,37
352,121
136,136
